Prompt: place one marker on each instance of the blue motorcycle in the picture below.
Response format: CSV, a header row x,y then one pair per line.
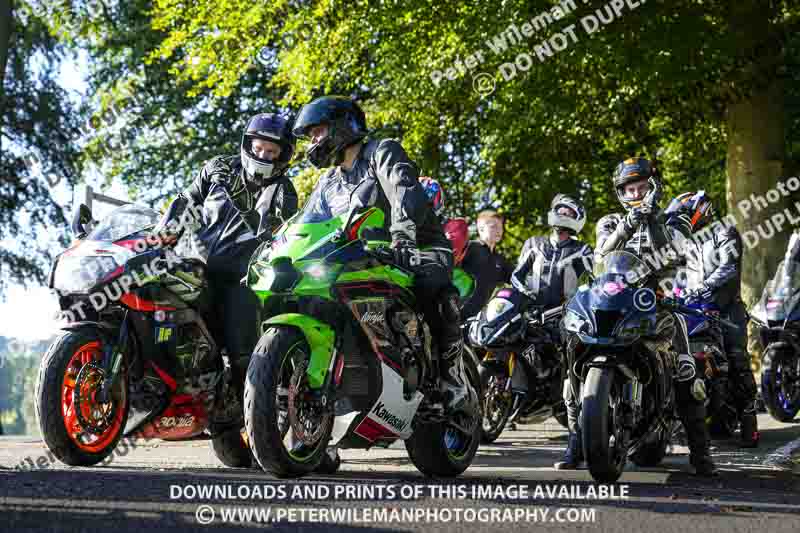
x,y
777,316
707,347
623,356
625,364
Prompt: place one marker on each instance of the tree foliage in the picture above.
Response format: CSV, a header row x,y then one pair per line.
x,y
656,80
37,123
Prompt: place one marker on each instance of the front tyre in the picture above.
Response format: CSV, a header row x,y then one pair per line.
x,y
600,430
497,405
75,426
447,449
780,385
277,393
231,449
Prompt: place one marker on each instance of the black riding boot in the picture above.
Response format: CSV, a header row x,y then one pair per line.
x,y
693,415
573,455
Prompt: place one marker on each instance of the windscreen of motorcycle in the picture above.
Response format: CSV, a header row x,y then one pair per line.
x,y
500,322
97,258
781,296
625,264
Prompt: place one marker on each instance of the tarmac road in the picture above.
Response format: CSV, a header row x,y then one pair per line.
x,y
154,487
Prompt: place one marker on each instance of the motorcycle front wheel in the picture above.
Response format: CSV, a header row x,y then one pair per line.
x,y
287,427
601,426
780,384
78,428
497,404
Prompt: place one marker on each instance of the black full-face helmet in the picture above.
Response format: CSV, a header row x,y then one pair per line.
x,y
346,126
630,171
268,127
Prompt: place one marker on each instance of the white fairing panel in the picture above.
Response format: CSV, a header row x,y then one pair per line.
x,y
391,415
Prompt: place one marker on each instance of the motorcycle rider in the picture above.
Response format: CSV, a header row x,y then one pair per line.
x,y
337,131
242,197
715,274
548,271
488,267
640,231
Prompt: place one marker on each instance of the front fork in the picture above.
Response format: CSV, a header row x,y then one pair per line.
x,y
112,360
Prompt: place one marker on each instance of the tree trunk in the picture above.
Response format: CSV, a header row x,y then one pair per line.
x,y
756,158
757,151
6,9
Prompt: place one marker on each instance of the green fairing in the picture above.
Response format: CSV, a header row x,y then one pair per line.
x,y
463,282
318,275
320,338
379,273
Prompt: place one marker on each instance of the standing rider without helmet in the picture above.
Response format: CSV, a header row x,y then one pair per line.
x,y
488,267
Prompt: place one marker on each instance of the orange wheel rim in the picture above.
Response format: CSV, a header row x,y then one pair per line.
x,y
90,410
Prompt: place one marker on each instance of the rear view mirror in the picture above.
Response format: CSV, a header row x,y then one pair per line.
x,y
82,217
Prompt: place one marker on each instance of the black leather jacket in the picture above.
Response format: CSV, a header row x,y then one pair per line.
x,y
715,263
548,269
409,216
224,237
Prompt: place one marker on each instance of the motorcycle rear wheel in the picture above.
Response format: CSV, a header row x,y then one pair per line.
x,y
441,451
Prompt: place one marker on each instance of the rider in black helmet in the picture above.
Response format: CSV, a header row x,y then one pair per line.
x,y
242,197
715,275
337,131
641,231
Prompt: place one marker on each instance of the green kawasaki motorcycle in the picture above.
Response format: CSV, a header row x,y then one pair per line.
x,y
346,360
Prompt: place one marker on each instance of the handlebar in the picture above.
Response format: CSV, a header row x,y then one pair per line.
x,y
671,303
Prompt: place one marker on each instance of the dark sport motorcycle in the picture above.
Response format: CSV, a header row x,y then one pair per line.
x,y
521,373
346,360
777,317
625,364
706,345
137,357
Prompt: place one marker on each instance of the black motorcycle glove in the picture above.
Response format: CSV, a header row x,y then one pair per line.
x,y
636,217
222,174
406,254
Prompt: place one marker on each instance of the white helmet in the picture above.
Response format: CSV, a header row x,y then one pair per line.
x,y
555,220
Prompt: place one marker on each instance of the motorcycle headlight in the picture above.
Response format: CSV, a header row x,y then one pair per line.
x,y
264,275
575,323
318,271
79,273
496,308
